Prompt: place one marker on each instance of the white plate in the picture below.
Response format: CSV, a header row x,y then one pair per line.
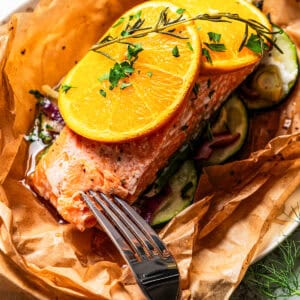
x,y
283,226
7,7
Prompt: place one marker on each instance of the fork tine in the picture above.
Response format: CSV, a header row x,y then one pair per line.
x,y
157,275
114,235
122,228
142,224
139,234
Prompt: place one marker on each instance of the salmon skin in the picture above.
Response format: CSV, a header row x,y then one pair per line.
x,y
74,163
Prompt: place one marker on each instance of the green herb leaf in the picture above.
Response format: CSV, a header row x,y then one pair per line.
x,y
119,22
274,277
124,85
136,16
104,77
119,71
36,94
102,93
45,137
180,11
31,137
164,22
256,44
133,50
190,46
206,54
127,68
216,47
125,33
65,88
149,74
214,37
175,51
49,127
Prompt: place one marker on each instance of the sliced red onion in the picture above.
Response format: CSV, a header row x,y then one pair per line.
x,y
151,205
219,141
51,110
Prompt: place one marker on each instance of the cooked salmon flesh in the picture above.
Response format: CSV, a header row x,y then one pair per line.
x,y
74,163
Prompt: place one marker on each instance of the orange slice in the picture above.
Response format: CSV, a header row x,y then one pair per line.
x,y
155,82
231,33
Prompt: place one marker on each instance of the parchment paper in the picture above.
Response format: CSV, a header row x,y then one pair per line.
x,y
213,241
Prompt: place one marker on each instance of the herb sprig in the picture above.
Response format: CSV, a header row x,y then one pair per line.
x,y
164,22
122,70
274,276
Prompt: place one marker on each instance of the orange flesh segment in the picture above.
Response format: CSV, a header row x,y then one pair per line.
x,y
160,82
231,33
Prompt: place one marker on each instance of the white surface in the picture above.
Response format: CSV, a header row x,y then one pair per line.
x,y
9,6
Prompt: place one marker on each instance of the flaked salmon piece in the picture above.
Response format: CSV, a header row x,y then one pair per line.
x,y
74,163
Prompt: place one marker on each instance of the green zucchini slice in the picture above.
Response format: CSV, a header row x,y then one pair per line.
x,y
182,188
275,77
233,117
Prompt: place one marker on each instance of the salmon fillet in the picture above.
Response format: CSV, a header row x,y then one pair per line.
x,y
74,163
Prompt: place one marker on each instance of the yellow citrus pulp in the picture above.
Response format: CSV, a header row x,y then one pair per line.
x,y
231,33
157,78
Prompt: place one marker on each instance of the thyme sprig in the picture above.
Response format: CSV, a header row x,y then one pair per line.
x,y
164,22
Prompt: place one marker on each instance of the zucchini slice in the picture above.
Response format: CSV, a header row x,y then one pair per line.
x,y
182,188
233,118
275,77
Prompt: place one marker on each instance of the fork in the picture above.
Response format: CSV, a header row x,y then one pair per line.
x,y
152,264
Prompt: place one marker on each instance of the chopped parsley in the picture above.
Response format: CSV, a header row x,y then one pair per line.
x,y
49,127
31,137
175,52
65,88
122,70
136,16
149,74
104,77
119,22
216,47
125,33
102,93
206,54
133,50
180,11
214,37
36,94
124,85
190,46
256,44
119,71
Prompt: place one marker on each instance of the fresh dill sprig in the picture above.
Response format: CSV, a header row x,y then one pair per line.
x,y
294,214
256,42
275,276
